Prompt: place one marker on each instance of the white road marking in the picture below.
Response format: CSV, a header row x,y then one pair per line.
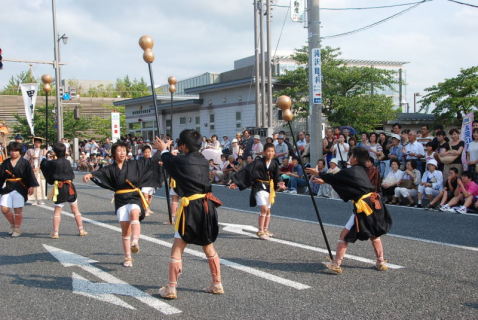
x,y
341,226
97,291
231,264
241,229
116,286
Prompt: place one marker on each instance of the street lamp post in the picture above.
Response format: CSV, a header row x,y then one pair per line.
x,y
46,79
415,95
172,89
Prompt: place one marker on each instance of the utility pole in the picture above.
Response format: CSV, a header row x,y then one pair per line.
x,y
315,82
269,69
257,64
59,109
263,65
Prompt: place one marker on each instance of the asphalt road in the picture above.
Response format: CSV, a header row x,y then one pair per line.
x,y
433,255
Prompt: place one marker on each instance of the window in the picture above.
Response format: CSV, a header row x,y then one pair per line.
x,y
211,118
238,116
211,127
168,123
182,120
238,119
198,120
135,126
148,124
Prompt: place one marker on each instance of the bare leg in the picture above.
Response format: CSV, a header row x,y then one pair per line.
x,y
339,253
9,216
18,219
174,207
135,230
126,234
267,223
215,268
56,222
378,248
261,223
175,269
78,219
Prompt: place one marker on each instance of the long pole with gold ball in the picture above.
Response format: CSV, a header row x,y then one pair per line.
x,y
285,104
146,43
46,79
172,89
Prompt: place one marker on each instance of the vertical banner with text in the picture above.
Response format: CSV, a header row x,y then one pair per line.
x,y
29,93
317,76
115,126
466,136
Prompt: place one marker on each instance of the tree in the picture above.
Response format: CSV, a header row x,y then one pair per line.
x,y
348,92
453,98
72,128
103,125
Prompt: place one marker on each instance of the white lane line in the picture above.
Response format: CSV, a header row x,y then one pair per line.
x,y
241,229
341,226
231,264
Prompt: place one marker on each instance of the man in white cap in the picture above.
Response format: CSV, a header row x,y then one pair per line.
x,y
282,151
395,153
236,150
432,183
257,147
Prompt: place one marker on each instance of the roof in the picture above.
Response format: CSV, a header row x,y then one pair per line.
x,y
220,85
149,99
413,117
364,62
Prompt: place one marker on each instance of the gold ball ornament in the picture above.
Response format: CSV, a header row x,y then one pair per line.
x,y
172,88
287,115
148,56
46,87
46,78
172,80
146,42
284,102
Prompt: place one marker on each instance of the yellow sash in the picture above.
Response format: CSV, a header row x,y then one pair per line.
x,y
53,196
144,202
363,206
172,183
180,212
272,190
13,179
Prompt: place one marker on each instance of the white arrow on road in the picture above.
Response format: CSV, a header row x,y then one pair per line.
x,y
105,291
246,230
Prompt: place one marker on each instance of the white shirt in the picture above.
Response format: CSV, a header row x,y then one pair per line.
x,y
415,147
395,176
473,150
435,178
342,151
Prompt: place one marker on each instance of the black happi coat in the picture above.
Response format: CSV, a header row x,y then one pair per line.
x,y
141,173
257,170
60,170
351,184
23,170
191,172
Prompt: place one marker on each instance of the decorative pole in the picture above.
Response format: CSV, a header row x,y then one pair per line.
x,y
46,79
146,43
285,104
172,89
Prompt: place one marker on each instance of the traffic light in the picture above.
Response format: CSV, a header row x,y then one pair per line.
x,y
1,63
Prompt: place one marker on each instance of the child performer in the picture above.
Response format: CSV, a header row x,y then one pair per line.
x,y
263,175
125,178
60,174
147,190
370,219
17,175
196,218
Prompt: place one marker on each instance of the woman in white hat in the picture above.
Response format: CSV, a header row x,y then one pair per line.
x,y
432,182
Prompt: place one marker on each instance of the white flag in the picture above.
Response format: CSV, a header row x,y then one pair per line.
x,y
29,93
297,10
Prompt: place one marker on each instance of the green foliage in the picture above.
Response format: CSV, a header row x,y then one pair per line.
x,y
72,128
453,98
103,126
346,91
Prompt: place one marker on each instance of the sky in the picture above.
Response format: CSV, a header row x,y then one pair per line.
x,y
437,38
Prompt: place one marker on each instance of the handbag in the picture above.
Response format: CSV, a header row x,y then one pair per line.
x,y
449,159
407,184
342,163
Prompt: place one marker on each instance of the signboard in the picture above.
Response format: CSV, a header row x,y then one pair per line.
x,y
297,10
115,126
466,136
316,76
29,93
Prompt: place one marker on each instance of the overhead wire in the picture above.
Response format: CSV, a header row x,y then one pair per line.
x,y
377,7
464,3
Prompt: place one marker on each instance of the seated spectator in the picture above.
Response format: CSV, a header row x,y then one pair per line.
x,y
257,147
373,174
236,150
249,159
296,177
218,172
321,168
408,185
449,190
228,170
391,180
326,189
432,182
239,164
466,195
285,170
83,162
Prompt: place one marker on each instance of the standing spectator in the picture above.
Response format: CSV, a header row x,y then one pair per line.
x,y
94,147
373,174
375,149
203,143
19,139
394,152
107,146
257,147
270,140
391,180
364,142
452,157
396,128
327,145
408,185
426,136
246,144
67,144
429,152
432,183
336,132
226,145
352,144
414,150
346,133
404,137
282,151
301,142
441,147
214,144
326,189
306,152
341,151
467,193
472,152
236,151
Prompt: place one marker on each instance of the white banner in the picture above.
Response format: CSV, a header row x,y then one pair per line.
x,y
29,93
297,10
316,76
115,126
466,136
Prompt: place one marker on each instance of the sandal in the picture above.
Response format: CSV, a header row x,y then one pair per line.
x,y
262,235
55,235
168,292
332,266
381,265
134,247
268,233
128,262
215,288
82,233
